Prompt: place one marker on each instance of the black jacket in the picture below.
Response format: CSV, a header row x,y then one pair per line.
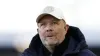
x,y
73,45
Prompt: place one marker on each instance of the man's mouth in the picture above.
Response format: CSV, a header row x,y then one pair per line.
x,y
49,35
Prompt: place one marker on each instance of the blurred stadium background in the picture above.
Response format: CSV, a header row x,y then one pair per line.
x,y
18,25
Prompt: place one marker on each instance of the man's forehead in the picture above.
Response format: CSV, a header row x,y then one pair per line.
x,y
49,17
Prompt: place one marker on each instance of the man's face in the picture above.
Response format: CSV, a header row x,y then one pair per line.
x,y
51,30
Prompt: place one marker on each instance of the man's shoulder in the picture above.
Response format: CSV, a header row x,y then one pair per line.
x,y
28,52
86,52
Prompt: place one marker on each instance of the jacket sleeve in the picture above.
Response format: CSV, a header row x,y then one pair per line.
x,y
86,52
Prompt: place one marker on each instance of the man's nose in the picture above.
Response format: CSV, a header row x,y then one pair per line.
x,y
49,28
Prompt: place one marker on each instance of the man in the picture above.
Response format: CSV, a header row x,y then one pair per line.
x,y
56,38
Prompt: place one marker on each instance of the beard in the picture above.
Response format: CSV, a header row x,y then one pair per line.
x,y
50,41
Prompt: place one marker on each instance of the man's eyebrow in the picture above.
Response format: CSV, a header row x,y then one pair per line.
x,y
40,22
56,19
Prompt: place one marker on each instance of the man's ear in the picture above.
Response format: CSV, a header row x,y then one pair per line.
x,y
66,27
37,30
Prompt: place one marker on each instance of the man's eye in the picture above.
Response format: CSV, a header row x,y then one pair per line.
x,y
42,24
55,23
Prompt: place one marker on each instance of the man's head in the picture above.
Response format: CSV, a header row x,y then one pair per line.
x,y
51,28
